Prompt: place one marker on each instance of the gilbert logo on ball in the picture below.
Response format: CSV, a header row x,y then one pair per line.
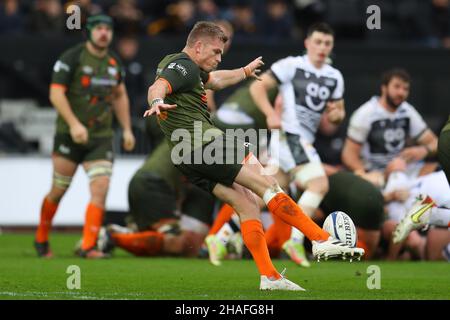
x,y
340,226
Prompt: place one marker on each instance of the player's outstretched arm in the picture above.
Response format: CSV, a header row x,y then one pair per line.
x,y
224,78
156,94
258,91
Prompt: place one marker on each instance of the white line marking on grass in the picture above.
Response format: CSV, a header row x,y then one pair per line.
x,y
75,295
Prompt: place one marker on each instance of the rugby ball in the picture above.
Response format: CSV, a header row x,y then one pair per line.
x,y
340,226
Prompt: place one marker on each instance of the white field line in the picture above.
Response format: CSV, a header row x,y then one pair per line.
x,y
74,295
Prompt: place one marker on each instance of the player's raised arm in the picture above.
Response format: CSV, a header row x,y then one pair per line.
x,y
258,91
156,94
224,78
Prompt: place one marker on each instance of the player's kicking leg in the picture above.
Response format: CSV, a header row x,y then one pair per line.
x,y
280,204
243,202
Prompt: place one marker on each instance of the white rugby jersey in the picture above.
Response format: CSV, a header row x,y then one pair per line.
x,y
305,90
383,134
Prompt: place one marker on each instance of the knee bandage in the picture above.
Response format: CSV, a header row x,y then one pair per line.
x,y
99,170
310,199
308,172
60,181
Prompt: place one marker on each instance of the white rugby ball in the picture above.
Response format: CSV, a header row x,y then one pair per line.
x,y
340,226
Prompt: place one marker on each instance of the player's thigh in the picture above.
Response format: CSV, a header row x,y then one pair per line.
x,y
437,239
65,147
241,199
63,165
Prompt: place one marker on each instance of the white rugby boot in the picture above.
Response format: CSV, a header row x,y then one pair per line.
x,y
333,248
279,284
417,217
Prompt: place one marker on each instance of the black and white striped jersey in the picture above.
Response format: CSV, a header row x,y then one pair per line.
x,y
384,134
305,90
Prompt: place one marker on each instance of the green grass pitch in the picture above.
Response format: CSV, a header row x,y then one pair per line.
x,y
24,276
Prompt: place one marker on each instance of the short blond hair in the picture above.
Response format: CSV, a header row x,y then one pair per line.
x,y
205,29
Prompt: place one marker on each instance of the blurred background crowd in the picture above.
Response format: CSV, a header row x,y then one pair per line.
x,y
425,22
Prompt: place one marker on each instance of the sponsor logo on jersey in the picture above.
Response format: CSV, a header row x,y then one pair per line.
x,y
103,82
112,71
178,67
64,149
87,69
59,65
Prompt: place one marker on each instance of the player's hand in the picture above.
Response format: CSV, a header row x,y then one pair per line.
x,y
335,114
273,121
396,164
128,140
157,108
252,69
79,133
374,177
416,153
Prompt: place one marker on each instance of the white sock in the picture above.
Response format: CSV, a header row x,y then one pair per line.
x,y
225,233
440,217
297,235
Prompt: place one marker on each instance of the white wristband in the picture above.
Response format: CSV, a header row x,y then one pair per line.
x,y
155,101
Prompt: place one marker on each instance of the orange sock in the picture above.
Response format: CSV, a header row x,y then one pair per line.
x,y
48,211
146,243
223,217
253,236
277,234
92,224
288,211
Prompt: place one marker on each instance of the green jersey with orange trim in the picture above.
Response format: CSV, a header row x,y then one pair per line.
x,y
89,82
188,122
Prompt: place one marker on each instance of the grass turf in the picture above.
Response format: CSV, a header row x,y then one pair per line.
x,y
24,276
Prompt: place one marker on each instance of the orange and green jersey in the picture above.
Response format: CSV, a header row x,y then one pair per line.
x,y
186,89
89,82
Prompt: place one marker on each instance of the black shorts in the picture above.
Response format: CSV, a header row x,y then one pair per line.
x,y
150,199
360,199
95,149
198,204
205,168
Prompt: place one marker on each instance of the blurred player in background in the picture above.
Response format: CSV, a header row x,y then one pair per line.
x,y
428,204
178,98
309,87
361,200
87,85
171,216
376,147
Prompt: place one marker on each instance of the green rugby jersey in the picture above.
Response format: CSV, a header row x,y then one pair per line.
x,y
186,89
159,163
89,83
447,125
241,100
